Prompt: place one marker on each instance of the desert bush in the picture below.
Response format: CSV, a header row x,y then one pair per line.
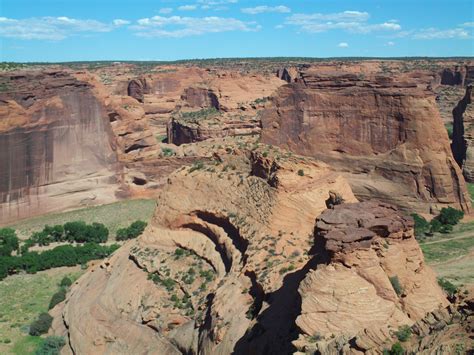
x,y
65,282
397,349
403,333
41,325
447,286
301,172
396,285
57,298
51,345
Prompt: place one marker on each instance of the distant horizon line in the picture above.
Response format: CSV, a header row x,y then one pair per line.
x,y
177,61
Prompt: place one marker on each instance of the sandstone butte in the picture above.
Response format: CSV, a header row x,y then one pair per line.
x,y
383,133
257,273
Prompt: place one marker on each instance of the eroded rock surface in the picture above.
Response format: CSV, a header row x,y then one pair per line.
x,y
383,134
57,150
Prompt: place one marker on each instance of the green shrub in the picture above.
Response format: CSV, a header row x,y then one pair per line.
x,y
196,166
435,226
41,325
449,215
301,172
41,238
8,241
421,224
396,285
65,282
51,345
167,152
446,229
403,333
397,349
447,286
80,232
57,298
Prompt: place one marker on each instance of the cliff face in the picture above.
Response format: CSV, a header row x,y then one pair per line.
x,y
463,135
56,147
384,135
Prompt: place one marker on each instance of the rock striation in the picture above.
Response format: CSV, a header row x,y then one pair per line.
x,y
383,134
57,150
374,281
463,135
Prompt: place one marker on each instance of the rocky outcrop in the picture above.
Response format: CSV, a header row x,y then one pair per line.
x,y
57,150
212,268
289,75
375,280
463,135
137,89
384,134
453,77
182,132
197,97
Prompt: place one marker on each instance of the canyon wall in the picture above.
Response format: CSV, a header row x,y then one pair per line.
x,y
385,135
57,150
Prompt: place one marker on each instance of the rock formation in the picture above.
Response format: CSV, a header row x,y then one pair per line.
x,y
200,97
233,263
383,134
137,88
375,280
57,150
452,77
463,135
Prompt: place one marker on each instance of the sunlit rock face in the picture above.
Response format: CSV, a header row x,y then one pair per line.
x,y
56,146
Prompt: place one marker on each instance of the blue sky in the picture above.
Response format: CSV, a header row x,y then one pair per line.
x,y
69,30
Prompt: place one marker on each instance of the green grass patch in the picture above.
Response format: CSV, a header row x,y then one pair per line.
x,y
113,216
450,249
22,299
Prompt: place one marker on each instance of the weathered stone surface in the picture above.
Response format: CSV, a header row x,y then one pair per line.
x,y
57,150
227,223
463,135
352,295
384,134
200,97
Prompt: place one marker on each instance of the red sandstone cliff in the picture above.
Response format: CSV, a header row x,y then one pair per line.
x,y
384,134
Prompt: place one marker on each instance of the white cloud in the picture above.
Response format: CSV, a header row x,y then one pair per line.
x,y
390,43
166,10
467,24
120,22
187,8
265,9
434,33
350,21
343,45
216,4
177,26
49,28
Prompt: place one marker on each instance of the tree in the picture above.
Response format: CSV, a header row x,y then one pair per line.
x,y
8,241
396,285
451,216
75,231
56,232
133,231
41,325
421,225
41,238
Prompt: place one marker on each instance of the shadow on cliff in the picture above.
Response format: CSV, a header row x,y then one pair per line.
x,y
276,328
